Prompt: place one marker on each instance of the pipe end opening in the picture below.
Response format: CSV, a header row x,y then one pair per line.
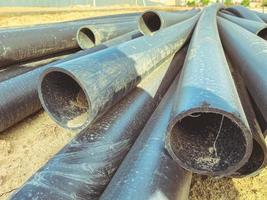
x,y
64,99
86,38
208,143
149,23
263,33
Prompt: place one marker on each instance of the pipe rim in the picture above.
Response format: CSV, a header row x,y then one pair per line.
x,y
87,37
144,28
47,108
259,168
262,33
231,169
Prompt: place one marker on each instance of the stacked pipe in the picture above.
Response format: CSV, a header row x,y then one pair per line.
x,y
184,94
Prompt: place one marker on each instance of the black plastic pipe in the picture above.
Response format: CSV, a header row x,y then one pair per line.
x,y
263,16
249,53
209,133
77,92
17,69
83,168
148,172
152,21
244,12
258,158
24,43
91,35
227,12
257,28
19,96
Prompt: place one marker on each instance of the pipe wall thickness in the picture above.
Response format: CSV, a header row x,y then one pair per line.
x,y
75,93
19,96
84,167
209,133
24,43
152,21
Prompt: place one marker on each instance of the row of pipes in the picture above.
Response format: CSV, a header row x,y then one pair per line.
x,y
155,97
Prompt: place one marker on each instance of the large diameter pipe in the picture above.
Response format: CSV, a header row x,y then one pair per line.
x,y
209,133
244,12
249,53
19,96
20,44
258,158
17,69
152,21
148,172
91,35
84,167
263,16
257,28
76,93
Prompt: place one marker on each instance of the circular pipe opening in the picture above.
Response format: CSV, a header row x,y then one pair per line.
x,y
263,33
255,161
86,38
208,143
149,22
64,99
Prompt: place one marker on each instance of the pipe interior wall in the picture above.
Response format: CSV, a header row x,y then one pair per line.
x,y
209,133
75,93
103,146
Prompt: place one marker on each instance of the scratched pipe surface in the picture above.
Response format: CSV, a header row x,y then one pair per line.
x,y
263,16
24,43
258,158
227,12
19,96
91,35
148,172
76,93
262,122
257,28
209,133
244,12
249,53
17,69
152,21
83,168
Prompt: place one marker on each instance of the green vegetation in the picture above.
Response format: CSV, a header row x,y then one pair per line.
x,y
245,3
206,2
264,3
229,2
191,3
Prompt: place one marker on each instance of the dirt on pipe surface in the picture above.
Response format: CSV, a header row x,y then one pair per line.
x,y
30,144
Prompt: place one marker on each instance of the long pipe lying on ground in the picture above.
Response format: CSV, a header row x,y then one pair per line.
x,y
209,133
152,21
148,172
76,93
263,16
257,28
92,35
20,44
84,167
19,96
21,68
244,12
258,158
249,53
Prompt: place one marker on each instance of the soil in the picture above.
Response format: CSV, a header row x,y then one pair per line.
x,y
27,146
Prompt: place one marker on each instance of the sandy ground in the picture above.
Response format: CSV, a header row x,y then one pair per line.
x,y
25,147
